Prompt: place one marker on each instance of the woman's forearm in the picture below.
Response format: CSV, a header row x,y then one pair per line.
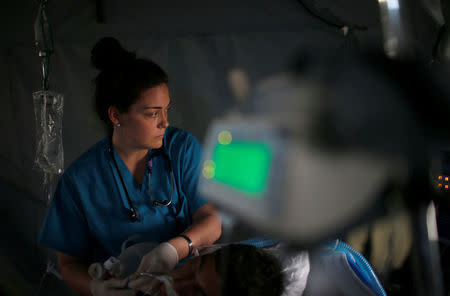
x,y
205,230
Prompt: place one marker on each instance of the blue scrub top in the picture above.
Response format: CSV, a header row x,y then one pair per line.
x,y
89,214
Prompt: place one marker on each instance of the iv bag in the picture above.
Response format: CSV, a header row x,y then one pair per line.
x,y
48,110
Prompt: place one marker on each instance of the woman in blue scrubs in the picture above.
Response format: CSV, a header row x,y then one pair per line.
x,y
141,180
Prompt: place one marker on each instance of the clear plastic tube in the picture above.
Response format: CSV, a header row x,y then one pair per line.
x,y
48,110
365,267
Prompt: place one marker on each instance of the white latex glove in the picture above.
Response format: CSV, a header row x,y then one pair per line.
x,y
111,287
159,261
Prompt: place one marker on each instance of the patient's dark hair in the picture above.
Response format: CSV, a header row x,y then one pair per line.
x,y
250,271
122,77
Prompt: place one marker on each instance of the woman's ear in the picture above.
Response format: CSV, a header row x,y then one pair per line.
x,y
114,115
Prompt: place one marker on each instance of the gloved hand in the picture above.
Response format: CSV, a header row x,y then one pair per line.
x,y
111,287
161,260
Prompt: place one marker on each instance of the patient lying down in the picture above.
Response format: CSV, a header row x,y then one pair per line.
x,y
246,270
232,270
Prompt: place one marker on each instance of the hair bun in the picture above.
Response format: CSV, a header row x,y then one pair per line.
x,y
108,53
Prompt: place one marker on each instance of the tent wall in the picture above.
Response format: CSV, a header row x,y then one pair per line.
x,y
197,68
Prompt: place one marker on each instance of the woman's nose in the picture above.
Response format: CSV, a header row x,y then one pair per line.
x,y
164,120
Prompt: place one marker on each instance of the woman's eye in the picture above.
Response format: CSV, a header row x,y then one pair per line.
x,y
153,114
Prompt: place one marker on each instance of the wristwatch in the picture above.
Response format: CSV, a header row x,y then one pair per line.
x,y
191,245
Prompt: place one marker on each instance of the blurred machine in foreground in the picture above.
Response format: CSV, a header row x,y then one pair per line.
x,y
342,139
321,149
339,140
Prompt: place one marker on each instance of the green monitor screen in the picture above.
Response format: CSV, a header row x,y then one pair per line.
x,y
244,166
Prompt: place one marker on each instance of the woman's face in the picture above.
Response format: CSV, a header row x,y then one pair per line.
x,y
143,126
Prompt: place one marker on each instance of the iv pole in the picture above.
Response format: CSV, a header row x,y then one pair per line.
x,y
48,107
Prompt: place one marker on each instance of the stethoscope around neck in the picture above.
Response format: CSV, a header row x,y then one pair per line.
x,y
134,214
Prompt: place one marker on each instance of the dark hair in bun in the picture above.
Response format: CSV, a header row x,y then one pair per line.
x,y
108,53
122,77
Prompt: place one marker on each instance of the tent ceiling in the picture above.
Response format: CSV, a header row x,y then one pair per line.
x,y
75,20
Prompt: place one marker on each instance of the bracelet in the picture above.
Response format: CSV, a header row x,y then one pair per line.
x,y
191,245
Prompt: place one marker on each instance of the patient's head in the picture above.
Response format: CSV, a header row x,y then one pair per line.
x,y
248,270
233,270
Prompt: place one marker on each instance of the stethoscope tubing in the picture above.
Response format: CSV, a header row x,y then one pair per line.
x,y
134,214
